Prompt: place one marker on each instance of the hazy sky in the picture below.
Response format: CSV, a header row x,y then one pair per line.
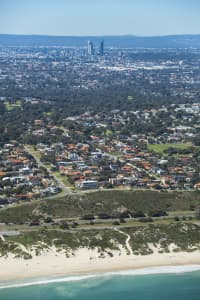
x,y
100,17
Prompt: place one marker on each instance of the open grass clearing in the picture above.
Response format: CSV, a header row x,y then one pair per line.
x,y
161,148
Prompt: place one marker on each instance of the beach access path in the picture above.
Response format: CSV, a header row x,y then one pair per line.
x,y
127,240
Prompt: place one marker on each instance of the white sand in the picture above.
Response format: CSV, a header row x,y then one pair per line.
x,y
88,262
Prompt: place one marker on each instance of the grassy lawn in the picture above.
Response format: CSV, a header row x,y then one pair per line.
x,y
34,152
47,113
63,178
9,106
116,153
160,148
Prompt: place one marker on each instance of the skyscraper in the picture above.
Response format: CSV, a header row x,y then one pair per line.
x,y
101,48
90,48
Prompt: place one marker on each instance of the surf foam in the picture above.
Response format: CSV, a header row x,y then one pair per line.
x,y
136,272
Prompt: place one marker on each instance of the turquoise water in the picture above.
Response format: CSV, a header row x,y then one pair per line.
x,y
182,286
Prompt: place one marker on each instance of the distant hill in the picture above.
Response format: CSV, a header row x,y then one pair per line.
x,y
173,41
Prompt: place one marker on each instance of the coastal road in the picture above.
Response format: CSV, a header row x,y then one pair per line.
x,y
8,233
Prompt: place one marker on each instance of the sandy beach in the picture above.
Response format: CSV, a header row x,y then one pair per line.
x,y
86,261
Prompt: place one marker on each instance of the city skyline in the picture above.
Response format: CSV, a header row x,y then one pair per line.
x,y
108,17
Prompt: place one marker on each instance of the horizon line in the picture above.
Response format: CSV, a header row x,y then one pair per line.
x,y
101,35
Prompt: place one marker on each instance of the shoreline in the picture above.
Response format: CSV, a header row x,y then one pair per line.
x,y
162,270
87,263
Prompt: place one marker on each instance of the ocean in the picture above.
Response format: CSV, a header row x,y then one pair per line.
x,y
176,283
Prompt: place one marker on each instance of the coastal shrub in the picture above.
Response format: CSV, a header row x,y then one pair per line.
x,y
138,214
116,223
157,214
146,220
64,225
186,237
87,217
102,202
104,216
48,220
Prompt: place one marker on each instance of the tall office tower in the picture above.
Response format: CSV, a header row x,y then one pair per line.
x,y
90,48
101,48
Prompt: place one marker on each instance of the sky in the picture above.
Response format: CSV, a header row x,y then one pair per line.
x,y
100,17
